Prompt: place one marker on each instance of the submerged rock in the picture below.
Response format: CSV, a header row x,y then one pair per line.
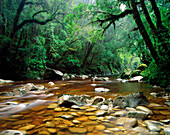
x,y
13,132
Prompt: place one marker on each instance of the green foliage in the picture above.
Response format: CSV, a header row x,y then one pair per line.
x,y
157,75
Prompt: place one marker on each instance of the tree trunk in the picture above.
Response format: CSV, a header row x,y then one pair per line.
x,y
144,32
87,55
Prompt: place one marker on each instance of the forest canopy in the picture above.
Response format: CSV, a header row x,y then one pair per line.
x,y
84,37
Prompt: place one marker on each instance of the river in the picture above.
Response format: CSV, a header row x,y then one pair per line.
x,y
32,108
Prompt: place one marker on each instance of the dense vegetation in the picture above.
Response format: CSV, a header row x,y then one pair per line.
x,y
84,37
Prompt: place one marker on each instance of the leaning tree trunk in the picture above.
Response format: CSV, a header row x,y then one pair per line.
x,y
144,33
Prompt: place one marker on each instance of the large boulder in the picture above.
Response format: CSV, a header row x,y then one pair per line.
x,y
52,74
131,100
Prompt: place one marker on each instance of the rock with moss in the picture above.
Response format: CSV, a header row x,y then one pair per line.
x,y
125,75
131,100
142,67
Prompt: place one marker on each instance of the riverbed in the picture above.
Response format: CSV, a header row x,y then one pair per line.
x,y
33,108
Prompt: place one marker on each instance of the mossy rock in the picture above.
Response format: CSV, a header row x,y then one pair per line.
x,y
125,75
142,67
135,73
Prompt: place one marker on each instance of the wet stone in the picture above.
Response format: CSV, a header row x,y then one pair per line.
x,y
58,109
104,107
67,116
75,114
52,130
151,126
82,118
100,113
100,127
130,123
63,126
141,130
92,118
49,124
89,114
28,127
75,107
120,113
90,109
137,114
142,108
43,133
78,130
90,128
90,123
76,122
52,106
20,122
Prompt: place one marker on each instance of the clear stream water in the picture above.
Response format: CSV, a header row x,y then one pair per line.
x,y
31,106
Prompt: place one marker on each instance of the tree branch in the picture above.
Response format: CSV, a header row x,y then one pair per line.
x,y
42,11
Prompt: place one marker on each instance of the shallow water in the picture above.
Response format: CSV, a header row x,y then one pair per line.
x,y
33,105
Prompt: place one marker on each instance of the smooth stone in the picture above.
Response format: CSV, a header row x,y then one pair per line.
x,y
122,120
142,108
76,121
92,118
151,126
111,118
113,129
167,131
89,114
153,133
100,113
28,127
141,130
82,118
20,122
58,109
165,112
108,132
154,105
63,126
137,114
90,123
75,107
49,124
77,130
131,123
130,109
50,84
43,133
104,107
100,127
120,113
90,128
165,121
69,123
13,132
75,114
91,109
52,106
108,125
52,130
67,116
100,118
